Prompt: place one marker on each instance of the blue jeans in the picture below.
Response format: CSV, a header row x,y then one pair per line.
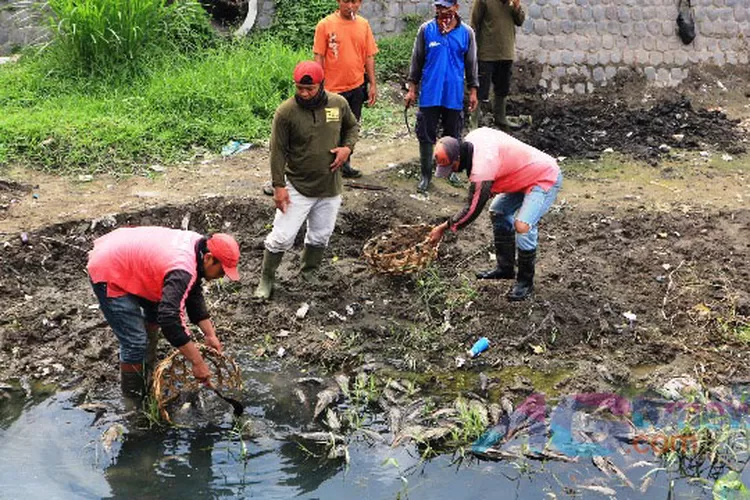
x,y
127,316
530,207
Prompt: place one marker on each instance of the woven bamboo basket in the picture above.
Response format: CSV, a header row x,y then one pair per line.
x,y
174,374
402,250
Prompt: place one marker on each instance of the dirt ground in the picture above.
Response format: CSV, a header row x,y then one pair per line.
x,y
642,270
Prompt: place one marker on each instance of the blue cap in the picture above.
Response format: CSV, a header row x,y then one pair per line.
x,y
446,3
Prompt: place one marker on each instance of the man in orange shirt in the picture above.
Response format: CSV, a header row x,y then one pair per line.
x,y
345,46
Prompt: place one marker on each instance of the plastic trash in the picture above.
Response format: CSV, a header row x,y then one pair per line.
x,y
479,347
234,147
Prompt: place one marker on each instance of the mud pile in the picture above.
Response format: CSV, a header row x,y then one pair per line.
x,y
585,127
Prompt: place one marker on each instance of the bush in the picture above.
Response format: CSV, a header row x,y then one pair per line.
x,y
295,20
394,55
105,36
119,125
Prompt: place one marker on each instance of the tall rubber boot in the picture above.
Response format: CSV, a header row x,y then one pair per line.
x,y
312,256
271,262
525,282
348,172
500,113
483,111
505,255
132,385
425,165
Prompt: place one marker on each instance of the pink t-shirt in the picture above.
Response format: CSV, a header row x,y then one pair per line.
x,y
135,260
513,166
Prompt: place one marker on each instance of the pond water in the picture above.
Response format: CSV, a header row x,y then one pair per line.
x,y
51,449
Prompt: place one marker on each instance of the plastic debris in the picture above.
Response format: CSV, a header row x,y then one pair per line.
x,y
479,347
234,147
302,311
630,316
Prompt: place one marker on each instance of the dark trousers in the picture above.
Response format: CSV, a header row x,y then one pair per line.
x,y
429,119
356,99
496,73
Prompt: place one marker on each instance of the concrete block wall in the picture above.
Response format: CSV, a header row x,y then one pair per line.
x,y
19,26
579,44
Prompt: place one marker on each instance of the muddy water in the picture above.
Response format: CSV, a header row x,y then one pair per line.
x,y
51,448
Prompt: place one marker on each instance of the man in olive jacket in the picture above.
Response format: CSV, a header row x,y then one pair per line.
x,y
494,22
312,136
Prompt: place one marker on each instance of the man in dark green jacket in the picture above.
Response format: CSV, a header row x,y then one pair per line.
x,y
312,136
494,22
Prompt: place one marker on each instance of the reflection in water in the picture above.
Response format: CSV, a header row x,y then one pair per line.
x,y
51,449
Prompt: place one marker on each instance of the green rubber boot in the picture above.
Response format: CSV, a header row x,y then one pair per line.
x,y
271,262
425,165
311,258
132,385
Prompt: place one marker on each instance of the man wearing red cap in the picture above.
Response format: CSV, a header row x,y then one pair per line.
x,y
526,182
312,136
147,278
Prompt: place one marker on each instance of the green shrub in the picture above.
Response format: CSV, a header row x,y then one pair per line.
x,y
394,52
119,125
105,36
295,20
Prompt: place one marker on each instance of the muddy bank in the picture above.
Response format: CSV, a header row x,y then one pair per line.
x,y
616,290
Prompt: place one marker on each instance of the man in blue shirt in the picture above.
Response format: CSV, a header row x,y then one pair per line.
x,y
445,51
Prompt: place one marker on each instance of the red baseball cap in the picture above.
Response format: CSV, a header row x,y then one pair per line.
x,y
225,249
308,73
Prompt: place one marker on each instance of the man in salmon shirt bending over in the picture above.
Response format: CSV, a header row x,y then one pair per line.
x,y
527,182
146,278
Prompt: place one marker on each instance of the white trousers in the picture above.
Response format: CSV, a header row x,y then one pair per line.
x,y
320,214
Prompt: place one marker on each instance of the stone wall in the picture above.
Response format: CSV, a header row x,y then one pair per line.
x,y
579,44
19,26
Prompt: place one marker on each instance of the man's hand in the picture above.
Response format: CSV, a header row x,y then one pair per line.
x,y
342,154
473,101
437,233
410,97
515,4
281,198
201,372
372,94
213,342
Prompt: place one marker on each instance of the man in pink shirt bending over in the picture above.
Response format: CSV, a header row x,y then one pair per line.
x,y
526,181
146,279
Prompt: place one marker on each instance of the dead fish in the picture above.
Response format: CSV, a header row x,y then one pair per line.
x,y
372,434
549,455
445,412
339,451
484,381
646,484
396,386
394,420
414,432
325,399
609,468
332,420
437,433
415,410
604,490
310,380
343,382
321,437
479,409
301,396
498,453
93,407
506,405
114,433
496,412
390,396
370,367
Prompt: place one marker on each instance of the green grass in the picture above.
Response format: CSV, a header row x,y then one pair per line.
x,y
119,124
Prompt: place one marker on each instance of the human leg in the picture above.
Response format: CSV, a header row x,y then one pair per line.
x,y
501,82
486,69
535,205
502,209
320,225
356,99
125,316
426,129
286,225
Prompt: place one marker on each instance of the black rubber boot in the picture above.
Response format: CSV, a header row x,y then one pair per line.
x,y
132,385
271,262
505,254
350,173
425,165
525,282
311,258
